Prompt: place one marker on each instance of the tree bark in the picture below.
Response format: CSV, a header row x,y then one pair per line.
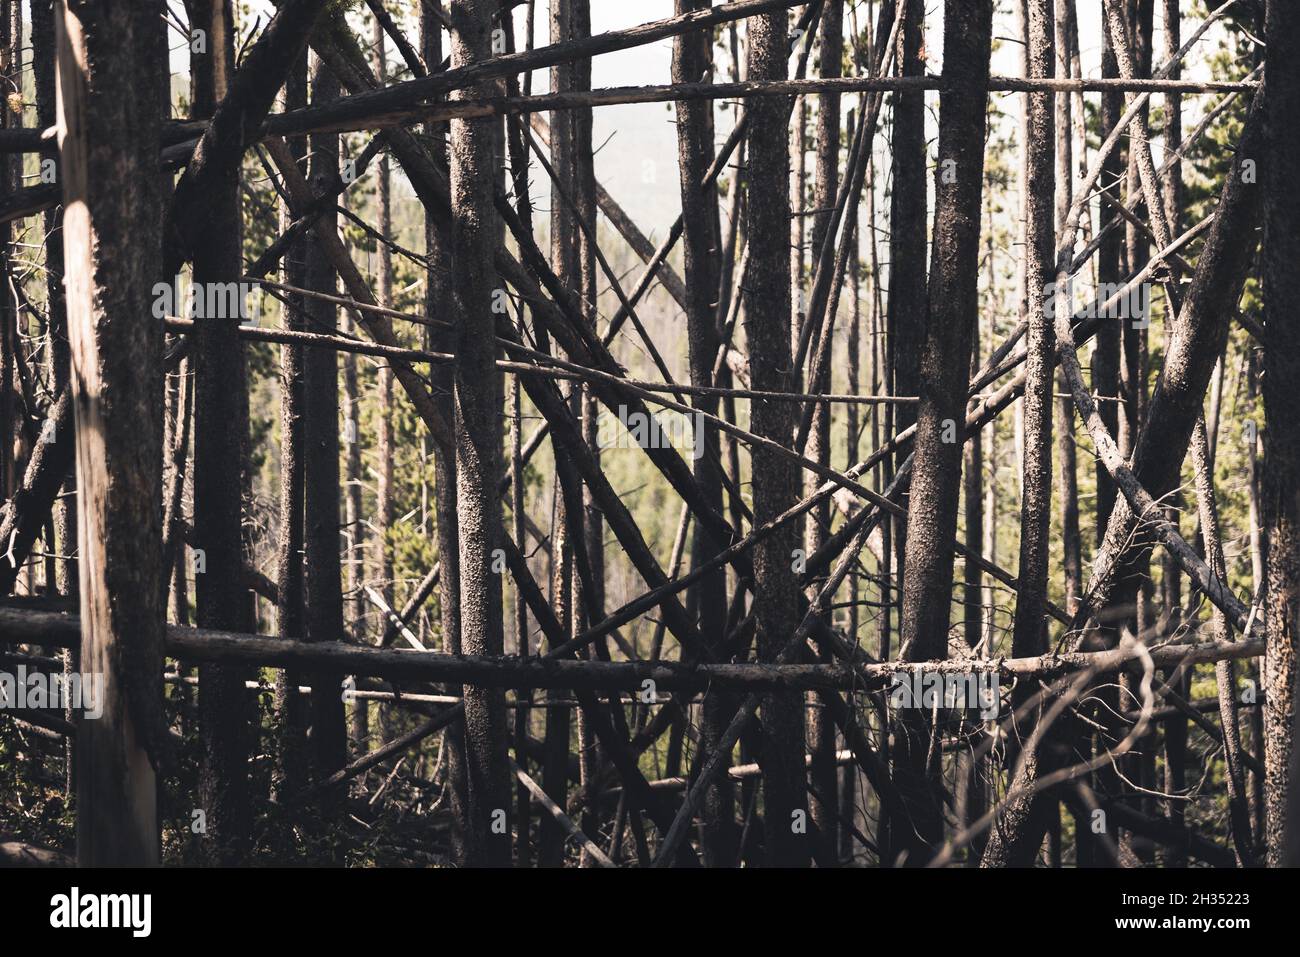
x,y
945,361
438,301
905,322
321,500
1030,631
384,448
109,145
692,62
566,525
291,707
220,454
475,236
774,479
821,730
1281,251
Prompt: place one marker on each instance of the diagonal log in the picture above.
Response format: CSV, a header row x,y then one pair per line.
x,y
379,326
372,107
575,833
1198,337
235,125
621,221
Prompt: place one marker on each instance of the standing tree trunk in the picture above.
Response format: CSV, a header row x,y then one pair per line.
x,y
566,528
1030,634
944,366
475,237
220,448
907,221
775,481
384,426
821,729
1281,412
1175,728
952,313
57,357
438,302
109,145
1071,538
1106,351
10,347
592,604
324,587
58,360
905,316
700,248
291,707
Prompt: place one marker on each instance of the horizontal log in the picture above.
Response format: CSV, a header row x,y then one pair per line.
x,y
196,644
349,119
28,201
570,372
20,854
180,137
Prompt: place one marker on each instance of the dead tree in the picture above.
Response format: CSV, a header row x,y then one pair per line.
x,y
384,437
475,237
766,664
1281,245
945,360
220,473
323,589
775,482
111,190
438,302
821,729
701,244
1030,634
567,524
58,359
291,707
906,308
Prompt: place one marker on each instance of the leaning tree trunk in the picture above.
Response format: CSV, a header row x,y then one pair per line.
x,y
110,191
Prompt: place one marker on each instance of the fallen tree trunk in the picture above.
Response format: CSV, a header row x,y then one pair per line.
x,y
18,627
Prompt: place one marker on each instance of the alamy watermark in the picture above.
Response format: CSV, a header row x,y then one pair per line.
x,y
25,690
1130,304
948,689
75,910
183,299
666,429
